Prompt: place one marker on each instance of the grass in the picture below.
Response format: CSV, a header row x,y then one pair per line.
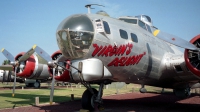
x,y
27,96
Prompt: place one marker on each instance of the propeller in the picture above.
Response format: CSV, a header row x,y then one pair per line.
x,y
175,40
16,63
52,87
51,63
56,64
8,55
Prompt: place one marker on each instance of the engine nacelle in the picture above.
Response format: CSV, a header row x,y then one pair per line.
x,y
60,73
33,68
27,67
91,69
192,57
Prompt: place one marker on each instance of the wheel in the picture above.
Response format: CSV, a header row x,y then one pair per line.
x,y
37,84
88,99
143,90
182,93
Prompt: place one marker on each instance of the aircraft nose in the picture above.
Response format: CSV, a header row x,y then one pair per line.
x,y
74,36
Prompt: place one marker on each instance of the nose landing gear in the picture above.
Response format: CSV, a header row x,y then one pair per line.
x,y
92,99
142,89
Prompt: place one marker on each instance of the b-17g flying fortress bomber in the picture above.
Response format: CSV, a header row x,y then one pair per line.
x,y
99,49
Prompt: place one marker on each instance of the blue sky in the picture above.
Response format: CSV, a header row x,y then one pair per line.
x,y
24,23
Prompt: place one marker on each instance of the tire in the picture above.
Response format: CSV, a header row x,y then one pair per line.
x,y
143,90
182,93
37,84
86,99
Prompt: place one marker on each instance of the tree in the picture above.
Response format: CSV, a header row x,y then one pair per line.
x,y
6,62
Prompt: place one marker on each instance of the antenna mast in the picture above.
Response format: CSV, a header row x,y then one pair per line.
x,y
88,6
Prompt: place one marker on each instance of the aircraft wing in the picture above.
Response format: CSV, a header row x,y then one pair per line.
x,y
6,67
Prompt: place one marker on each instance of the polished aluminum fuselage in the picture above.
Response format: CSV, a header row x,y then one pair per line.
x,y
149,61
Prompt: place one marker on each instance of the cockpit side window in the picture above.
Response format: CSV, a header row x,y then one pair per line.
x,y
142,24
123,34
149,29
134,38
106,27
132,21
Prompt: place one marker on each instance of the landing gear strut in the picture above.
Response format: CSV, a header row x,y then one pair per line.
x,y
92,99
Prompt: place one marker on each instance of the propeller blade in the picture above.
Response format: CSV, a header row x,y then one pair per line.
x,y
6,67
13,94
42,53
174,40
27,55
61,59
8,55
52,87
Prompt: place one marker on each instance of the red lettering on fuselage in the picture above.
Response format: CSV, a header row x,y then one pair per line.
x,y
112,50
117,51
126,61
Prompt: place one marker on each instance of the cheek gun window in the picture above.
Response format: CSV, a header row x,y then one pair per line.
x,y
106,27
134,38
123,34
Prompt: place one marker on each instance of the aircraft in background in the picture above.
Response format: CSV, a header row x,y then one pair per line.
x,y
8,76
5,76
29,68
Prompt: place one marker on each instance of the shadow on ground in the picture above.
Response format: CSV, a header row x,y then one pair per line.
x,y
131,102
